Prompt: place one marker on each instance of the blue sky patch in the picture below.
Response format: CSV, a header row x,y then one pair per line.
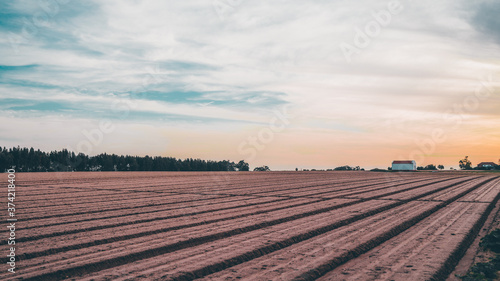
x,y
5,68
34,105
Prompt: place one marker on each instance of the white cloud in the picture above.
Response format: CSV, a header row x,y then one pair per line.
x,y
425,60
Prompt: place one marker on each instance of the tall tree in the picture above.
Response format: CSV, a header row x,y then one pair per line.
x,y
243,166
465,164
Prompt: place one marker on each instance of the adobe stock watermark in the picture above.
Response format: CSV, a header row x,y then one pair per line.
x,y
94,137
40,19
372,29
279,122
454,118
219,181
224,8
121,108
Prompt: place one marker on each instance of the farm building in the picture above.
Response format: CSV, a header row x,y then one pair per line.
x,y
404,165
486,165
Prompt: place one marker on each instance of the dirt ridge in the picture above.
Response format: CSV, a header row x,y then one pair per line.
x,y
75,271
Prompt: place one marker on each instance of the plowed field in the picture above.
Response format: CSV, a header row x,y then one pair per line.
x,y
246,225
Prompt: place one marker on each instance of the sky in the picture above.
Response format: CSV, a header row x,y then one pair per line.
x,y
284,83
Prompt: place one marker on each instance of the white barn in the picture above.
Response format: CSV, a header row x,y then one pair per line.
x,y
404,165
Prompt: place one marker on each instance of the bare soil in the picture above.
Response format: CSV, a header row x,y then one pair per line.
x,y
248,225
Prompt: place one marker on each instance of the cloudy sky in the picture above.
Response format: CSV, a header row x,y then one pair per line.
x,y
285,83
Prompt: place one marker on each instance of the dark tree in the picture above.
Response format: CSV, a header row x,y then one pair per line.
x,y
431,167
344,168
465,164
243,166
262,169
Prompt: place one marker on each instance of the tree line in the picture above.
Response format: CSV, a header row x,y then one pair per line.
x,y
430,167
340,168
31,160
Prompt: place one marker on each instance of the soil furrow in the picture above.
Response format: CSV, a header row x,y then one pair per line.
x,y
365,247
200,240
99,227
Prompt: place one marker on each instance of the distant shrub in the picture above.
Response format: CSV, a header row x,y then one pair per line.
x,y
262,169
378,170
347,168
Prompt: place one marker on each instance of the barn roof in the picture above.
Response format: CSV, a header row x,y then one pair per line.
x,y
402,162
486,163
